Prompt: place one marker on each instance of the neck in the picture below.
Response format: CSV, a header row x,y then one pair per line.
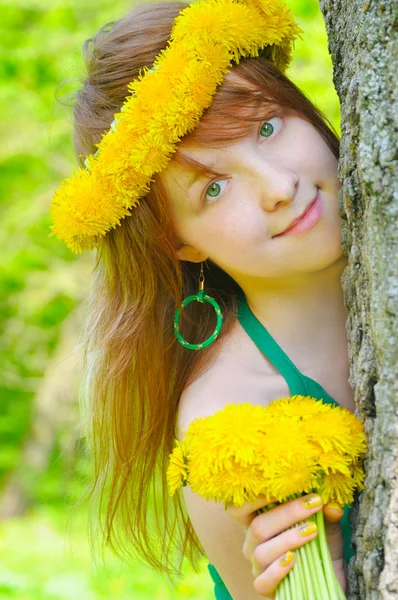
x,y
305,309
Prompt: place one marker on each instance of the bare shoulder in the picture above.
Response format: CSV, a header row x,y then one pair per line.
x,y
240,373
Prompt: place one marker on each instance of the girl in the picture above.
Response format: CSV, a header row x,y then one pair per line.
x,y
247,207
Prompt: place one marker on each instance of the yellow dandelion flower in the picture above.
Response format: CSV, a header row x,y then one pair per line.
x,y
330,430
177,472
160,131
122,182
173,61
114,158
332,462
290,462
196,89
214,57
300,407
358,474
200,21
186,122
133,122
85,210
284,434
294,470
234,484
236,431
147,156
293,477
155,91
337,487
358,438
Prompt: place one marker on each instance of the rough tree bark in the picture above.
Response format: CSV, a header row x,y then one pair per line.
x,y
363,42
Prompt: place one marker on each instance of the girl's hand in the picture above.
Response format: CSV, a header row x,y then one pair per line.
x,y
269,540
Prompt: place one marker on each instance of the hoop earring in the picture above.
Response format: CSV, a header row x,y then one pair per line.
x,y
201,296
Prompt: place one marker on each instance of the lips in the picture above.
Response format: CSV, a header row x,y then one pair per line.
x,y
297,219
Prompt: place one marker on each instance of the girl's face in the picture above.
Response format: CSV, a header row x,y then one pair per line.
x,y
269,179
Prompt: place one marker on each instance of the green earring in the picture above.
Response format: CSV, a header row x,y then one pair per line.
x,y
201,296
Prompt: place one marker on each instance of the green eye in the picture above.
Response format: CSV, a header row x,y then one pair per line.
x,y
267,129
214,190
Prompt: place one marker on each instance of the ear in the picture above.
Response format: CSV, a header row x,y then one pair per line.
x,y
191,254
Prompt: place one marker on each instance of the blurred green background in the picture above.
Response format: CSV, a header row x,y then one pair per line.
x,y
43,554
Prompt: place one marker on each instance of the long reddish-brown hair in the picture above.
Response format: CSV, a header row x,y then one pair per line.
x,y
135,370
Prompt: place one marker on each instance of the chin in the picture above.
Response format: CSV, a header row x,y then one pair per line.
x,y
327,248
319,258
327,260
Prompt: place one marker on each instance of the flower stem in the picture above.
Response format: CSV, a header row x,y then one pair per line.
x,y
289,592
333,583
312,570
307,574
295,588
316,564
302,588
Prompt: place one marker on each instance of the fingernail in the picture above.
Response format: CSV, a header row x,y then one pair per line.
x,y
335,506
312,501
286,558
307,528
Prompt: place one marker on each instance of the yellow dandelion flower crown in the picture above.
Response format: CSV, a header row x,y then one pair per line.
x,y
165,103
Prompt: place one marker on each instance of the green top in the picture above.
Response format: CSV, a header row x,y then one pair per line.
x,y
298,384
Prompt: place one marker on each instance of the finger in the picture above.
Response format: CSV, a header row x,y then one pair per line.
x,y
265,526
334,537
265,554
266,583
246,513
333,512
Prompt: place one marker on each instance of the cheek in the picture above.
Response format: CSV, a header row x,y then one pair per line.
x,y
327,160
182,227
229,229
322,158
318,157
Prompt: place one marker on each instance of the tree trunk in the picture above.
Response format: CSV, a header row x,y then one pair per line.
x,y
363,43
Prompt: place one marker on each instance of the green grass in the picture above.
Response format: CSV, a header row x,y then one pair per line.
x,y
40,561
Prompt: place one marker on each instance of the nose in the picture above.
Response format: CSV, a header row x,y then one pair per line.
x,y
277,185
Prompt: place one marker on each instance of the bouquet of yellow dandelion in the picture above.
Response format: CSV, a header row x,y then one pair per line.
x,y
292,446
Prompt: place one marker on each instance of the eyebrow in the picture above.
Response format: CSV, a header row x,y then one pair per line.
x,y
200,170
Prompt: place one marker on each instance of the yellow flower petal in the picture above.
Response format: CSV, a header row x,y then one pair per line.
x,y
337,487
235,483
235,432
177,472
301,407
330,430
333,462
